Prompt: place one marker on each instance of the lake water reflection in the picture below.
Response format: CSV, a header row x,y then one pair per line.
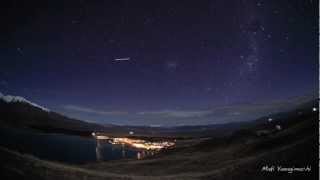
x,y
65,148
106,151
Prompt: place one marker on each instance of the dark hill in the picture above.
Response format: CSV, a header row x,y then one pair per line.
x,y
23,115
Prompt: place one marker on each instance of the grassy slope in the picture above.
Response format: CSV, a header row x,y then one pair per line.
x,y
237,157
240,157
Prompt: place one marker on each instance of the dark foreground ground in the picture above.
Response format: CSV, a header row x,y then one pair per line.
x,y
240,156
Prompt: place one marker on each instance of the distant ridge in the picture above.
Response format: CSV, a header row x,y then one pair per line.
x,y
15,99
18,112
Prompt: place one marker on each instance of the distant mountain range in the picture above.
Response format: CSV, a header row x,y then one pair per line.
x,y
16,111
19,112
18,99
241,155
214,115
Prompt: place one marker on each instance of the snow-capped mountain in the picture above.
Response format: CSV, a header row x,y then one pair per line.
x,y
18,99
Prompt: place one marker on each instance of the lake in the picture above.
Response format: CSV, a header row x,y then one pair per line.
x,y
63,148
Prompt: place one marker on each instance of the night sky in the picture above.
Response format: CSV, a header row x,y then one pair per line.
x,y
107,61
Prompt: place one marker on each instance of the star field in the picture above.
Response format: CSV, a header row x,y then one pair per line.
x,y
134,56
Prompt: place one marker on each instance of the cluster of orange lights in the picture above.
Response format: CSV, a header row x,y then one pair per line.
x,y
136,143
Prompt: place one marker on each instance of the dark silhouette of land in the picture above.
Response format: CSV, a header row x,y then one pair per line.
x,y
242,155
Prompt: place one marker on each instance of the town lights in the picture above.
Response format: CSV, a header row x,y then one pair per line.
x,y
136,143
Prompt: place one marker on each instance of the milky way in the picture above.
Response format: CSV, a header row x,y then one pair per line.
x,y
160,56
251,29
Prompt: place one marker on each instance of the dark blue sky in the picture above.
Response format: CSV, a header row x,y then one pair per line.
x,y
185,57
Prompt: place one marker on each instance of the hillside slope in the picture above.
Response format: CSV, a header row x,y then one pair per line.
x,y
240,156
21,113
